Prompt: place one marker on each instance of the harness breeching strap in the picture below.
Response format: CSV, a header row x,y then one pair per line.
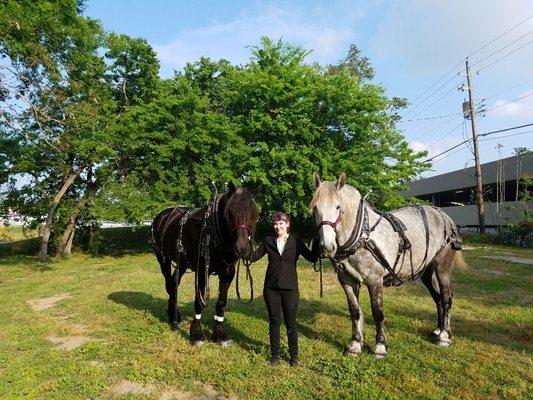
x,y
426,228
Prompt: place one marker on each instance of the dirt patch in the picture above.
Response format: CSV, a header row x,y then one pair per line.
x,y
209,393
124,387
528,261
47,302
69,342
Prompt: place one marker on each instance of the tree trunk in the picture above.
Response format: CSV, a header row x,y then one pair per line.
x,y
65,247
71,177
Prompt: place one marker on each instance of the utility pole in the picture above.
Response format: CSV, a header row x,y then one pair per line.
x,y
472,114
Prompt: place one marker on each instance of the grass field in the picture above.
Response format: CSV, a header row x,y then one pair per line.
x,y
117,305
11,233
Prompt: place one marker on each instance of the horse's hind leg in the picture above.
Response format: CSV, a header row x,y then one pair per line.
x,y
174,313
195,330
443,268
351,289
375,289
166,270
429,279
219,334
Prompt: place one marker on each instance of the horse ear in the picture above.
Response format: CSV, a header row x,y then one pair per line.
x,y
341,181
316,180
231,187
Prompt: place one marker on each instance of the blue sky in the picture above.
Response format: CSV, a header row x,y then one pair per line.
x,y
411,44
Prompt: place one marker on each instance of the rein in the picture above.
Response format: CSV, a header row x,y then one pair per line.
x,y
247,264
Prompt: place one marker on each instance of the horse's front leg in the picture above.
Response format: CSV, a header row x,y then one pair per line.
x,y
375,289
195,332
219,334
351,289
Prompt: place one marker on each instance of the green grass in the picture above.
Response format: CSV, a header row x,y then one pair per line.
x,y
11,233
121,301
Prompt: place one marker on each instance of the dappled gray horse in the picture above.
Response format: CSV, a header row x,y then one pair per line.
x,y
385,249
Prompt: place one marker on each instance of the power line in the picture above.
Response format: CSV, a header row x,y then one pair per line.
x,y
451,154
462,60
504,136
434,84
506,129
436,101
431,95
509,102
433,117
445,135
501,58
503,34
507,90
434,129
483,134
503,48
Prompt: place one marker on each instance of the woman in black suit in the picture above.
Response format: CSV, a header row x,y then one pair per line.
x,y
281,282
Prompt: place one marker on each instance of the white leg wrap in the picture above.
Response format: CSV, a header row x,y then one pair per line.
x,y
379,349
219,319
198,316
443,339
354,348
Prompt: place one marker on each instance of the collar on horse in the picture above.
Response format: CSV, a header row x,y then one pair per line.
x,y
360,238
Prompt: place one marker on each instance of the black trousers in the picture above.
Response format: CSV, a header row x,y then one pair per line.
x,y
286,300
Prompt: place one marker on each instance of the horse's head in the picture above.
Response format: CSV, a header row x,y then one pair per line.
x,y
329,209
240,213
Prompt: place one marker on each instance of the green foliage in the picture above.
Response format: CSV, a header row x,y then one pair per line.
x,y
136,143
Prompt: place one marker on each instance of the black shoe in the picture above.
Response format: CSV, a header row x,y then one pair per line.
x,y
294,362
274,360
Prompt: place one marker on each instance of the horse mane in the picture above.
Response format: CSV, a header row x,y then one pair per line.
x,y
242,207
348,196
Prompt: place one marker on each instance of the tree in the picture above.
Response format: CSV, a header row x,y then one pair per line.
x,y
296,119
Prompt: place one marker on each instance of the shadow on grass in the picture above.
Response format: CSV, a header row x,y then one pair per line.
x,y
308,311
512,336
25,261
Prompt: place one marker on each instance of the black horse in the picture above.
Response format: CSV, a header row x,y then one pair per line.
x,y
209,241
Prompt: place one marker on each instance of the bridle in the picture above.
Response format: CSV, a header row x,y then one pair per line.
x,y
329,223
242,226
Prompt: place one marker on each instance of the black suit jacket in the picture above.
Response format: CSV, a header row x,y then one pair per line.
x,y
281,270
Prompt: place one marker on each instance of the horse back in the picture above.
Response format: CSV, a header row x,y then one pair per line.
x,y
166,230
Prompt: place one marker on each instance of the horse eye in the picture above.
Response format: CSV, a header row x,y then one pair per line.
x,y
249,238
338,207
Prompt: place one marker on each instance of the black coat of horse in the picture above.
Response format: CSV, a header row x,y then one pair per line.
x,y
209,241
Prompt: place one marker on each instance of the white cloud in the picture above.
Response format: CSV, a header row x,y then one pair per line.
x,y
229,39
518,109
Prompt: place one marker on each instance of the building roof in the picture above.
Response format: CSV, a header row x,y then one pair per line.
x,y
466,177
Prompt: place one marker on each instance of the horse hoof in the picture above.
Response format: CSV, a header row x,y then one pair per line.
x,y
198,343
175,325
443,339
354,348
224,343
379,350
436,332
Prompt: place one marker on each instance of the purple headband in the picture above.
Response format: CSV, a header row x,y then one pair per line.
x,y
277,218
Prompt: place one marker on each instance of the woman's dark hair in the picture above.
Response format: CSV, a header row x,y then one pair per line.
x,y
281,216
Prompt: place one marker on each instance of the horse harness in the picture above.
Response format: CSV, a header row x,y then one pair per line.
x,y
360,238
210,233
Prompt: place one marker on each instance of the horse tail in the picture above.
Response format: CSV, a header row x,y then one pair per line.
x,y
459,261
